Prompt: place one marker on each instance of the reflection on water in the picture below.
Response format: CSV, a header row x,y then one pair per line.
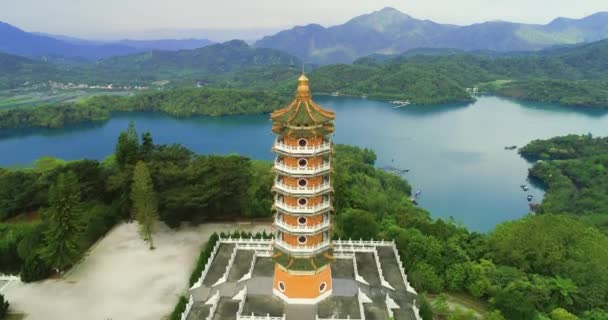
x,y
455,153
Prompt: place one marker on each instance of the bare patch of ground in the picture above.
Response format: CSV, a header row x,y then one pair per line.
x,y
121,278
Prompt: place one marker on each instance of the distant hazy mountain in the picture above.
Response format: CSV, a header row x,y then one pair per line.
x,y
16,41
167,44
41,45
390,31
216,58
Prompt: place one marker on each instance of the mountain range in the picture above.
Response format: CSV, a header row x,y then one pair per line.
x,y
56,47
390,31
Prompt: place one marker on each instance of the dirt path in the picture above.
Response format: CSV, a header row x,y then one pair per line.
x,y
121,278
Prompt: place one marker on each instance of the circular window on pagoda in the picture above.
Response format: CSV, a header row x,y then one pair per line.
x,y
302,239
322,287
302,182
281,286
302,142
302,201
302,220
302,162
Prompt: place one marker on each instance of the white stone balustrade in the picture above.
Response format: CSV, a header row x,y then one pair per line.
x,y
361,299
243,241
249,273
307,150
416,311
307,191
188,308
213,302
358,277
408,287
334,318
8,277
390,306
320,207
224,277
302,228
243,297
302,249
199,282
254,317
297,170
380,272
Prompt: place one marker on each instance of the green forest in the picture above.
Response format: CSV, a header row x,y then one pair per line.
x,y
561,269
183,102
574,170
575,76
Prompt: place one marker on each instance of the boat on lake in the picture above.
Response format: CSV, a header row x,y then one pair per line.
x,y
530,197
510,147
400,104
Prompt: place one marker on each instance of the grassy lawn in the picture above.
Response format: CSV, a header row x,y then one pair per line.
x,y
15,316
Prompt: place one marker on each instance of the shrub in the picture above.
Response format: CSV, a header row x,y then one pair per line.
x,y
179,308
34,269
3,307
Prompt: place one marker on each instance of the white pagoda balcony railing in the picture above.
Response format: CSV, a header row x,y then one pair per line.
x,y
307,150
326,205
297,170
302,228
325,187
302,249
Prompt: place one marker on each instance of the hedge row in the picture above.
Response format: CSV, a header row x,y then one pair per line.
x,y
203,257
179,308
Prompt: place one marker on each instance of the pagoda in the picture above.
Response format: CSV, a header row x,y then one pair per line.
x,y
302,202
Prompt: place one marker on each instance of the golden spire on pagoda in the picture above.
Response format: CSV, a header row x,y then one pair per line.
x,y
303,91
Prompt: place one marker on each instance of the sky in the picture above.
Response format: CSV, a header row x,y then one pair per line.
x,y
194,18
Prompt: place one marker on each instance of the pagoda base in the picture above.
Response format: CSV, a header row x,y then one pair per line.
x,y
302,287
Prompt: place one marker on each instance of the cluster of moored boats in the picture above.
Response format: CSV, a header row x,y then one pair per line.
x,y
525,187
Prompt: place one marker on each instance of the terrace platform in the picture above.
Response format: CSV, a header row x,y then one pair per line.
x,y
368,284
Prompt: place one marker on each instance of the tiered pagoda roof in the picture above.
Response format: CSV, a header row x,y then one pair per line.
x,y
303,117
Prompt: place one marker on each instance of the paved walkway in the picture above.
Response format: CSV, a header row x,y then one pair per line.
x,y
121,278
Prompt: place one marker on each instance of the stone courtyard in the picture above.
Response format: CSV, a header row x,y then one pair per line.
x,y
368,284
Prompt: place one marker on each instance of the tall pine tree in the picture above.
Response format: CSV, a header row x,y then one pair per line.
x,y
127,148
145,203
62,237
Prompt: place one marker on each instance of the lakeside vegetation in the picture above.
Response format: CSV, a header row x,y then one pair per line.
x,y
561,265
574,170
183,102
573,76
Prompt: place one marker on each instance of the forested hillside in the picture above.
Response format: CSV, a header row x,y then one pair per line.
x,y
178,102
574,169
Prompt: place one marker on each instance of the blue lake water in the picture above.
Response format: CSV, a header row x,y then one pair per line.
x,y
455,153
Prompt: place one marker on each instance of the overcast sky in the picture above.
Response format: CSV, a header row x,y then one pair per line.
x,y
115,18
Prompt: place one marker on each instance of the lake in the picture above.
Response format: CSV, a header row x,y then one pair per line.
x,y
455,153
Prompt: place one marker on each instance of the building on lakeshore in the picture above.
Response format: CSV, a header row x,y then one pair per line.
x,y
301,274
